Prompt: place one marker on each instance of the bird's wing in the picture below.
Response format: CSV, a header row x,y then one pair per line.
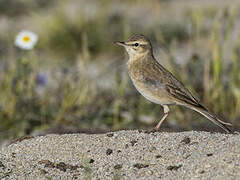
x,y
176,89
181,94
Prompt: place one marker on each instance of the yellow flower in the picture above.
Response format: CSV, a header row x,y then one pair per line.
x,y
26,40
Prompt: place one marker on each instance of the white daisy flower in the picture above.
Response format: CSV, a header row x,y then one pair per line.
x,y
26,40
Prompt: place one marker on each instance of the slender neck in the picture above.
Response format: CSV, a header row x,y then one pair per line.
x,y
144,55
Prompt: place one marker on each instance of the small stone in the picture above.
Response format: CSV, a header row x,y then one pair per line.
x,y
109,151
118,166
186,140
110,134
201,172
186,156
1,165
91,161
13,155
174,167
133,142
152,149
61,166
149,172
140,131
158,156
140,166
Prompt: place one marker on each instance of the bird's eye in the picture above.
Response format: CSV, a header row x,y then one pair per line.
x,y
136,44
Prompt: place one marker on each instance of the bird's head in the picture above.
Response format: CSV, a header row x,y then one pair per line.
x,y
136,46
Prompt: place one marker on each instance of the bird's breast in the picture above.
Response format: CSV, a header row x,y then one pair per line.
x,y
147,82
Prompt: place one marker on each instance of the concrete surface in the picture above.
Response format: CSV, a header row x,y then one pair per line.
x,y
123,155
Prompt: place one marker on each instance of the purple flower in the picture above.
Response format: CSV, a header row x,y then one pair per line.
x,y
41,79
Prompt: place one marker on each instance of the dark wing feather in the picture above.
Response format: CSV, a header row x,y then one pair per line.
x,y
181,95
176,89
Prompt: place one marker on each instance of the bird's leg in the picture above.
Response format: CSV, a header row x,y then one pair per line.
x,y
166,111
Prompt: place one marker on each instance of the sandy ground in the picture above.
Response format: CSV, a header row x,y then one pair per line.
x,y
123,155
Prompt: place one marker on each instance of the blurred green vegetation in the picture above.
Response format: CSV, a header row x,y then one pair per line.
x,y
75,79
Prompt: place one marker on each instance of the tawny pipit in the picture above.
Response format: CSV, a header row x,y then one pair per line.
x,y
157,84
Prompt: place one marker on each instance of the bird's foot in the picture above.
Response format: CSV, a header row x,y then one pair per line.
x,y
149,131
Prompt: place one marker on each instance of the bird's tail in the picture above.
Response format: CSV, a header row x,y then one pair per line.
x,y
213,117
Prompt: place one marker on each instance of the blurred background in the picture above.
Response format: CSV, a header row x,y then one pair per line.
x,y
75,79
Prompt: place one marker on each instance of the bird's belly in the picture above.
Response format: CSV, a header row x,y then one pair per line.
x,y
152,93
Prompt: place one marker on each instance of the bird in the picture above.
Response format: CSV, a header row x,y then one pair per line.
x,y
157,84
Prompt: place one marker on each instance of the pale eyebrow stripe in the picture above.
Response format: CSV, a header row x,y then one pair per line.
x,y
133,43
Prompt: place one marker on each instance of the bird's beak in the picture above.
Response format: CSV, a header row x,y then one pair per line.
x,y
121,43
